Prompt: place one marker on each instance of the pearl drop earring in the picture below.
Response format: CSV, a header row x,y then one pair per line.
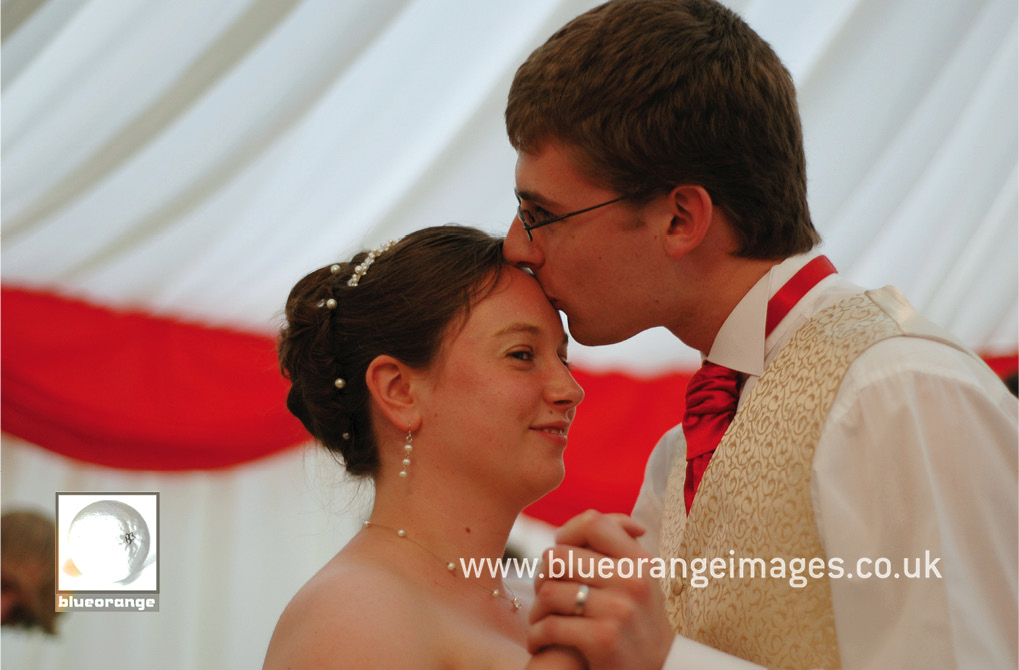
x,y
407,448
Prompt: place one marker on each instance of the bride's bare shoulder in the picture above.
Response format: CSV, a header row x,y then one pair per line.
x,y
351,614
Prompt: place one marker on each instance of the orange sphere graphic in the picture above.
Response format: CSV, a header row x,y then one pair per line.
x,y
108,540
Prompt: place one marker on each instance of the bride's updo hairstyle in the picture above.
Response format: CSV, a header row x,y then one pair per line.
x,y
401,301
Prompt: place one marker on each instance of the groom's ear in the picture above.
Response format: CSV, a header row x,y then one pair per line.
x,y
691,213
391,385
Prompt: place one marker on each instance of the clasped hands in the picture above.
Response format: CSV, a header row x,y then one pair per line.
x,y
607,621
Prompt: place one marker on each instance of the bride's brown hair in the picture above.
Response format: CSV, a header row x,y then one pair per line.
x,y
402,306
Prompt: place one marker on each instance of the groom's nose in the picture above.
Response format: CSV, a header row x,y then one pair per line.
x,y
519,249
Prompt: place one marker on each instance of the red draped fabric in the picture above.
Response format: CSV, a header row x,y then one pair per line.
x,y
130,390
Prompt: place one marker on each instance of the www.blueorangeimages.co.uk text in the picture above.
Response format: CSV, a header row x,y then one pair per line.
x,y
701,570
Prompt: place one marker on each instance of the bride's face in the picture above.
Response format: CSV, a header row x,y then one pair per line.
x,y
500,396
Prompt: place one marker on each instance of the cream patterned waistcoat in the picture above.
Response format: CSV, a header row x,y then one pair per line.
x,y
754,500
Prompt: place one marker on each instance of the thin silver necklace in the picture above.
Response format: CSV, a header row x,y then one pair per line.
x,y
451,566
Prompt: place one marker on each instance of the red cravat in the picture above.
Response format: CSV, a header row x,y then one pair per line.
x,y
711,398
713,391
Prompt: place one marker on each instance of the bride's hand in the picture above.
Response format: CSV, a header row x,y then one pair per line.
x,y
615,622
557,658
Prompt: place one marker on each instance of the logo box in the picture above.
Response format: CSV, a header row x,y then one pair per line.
x,y
107,551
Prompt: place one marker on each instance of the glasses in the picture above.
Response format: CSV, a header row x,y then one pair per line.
x,y
530,222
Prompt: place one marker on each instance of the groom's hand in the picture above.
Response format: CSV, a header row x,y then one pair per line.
x,y
621,623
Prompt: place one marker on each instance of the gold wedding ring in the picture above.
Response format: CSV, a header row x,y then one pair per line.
x,y
580,601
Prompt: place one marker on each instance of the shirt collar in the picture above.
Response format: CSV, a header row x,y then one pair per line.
x,y
739,344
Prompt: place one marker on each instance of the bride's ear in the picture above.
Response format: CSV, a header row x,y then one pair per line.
x,y
392,387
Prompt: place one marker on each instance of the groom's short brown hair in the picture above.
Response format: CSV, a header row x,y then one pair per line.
x,y
655,93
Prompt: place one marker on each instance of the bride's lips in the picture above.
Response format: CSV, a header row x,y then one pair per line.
x,y
555,431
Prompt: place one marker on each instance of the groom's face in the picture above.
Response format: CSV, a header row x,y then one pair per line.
x,y
595,266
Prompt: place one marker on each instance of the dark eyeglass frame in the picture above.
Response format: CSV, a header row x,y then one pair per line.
x,y
528,220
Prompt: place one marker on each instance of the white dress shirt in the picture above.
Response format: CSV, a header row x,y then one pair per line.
x,y
918,458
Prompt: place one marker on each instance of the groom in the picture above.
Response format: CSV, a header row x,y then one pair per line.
x,y
842,491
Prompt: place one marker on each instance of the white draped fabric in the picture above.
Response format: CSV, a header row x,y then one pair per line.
x,y
195,158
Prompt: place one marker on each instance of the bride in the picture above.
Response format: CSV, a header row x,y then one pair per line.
x,y
438,371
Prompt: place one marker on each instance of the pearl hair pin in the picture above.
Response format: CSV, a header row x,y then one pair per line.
x,y
360,270
450,565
